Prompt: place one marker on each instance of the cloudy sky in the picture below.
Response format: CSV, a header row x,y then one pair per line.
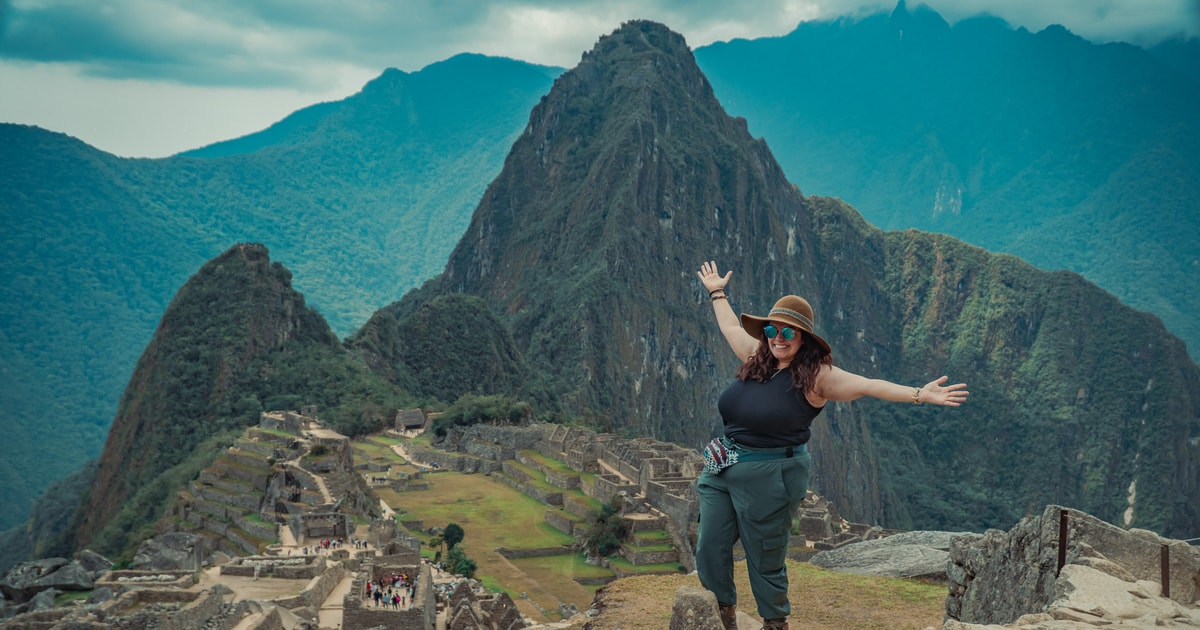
x,y
148,78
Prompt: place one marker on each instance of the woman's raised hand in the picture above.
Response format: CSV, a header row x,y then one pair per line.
x,y
935,393
711,279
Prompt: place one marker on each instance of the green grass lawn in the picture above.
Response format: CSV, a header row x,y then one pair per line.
x,y
551,464
276,432
495,515
651,537
627,568
375,451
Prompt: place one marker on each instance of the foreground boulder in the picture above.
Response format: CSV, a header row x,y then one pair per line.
x,y
177,551
1110,576
24,582
95,564
918,555
17,583
695,609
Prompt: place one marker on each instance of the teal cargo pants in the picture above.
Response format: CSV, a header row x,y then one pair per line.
x,y
754,501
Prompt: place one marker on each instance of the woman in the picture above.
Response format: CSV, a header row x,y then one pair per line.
x,y
758,472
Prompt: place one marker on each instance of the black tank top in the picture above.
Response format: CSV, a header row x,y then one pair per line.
x,y
767,415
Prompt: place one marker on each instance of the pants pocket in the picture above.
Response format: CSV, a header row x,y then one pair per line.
x,y
774,552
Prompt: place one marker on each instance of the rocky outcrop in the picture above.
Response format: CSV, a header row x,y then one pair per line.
x,y
174,551
1108,575
25,581
920,555
695,609
94,563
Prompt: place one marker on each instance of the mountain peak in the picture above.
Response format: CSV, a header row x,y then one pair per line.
x,y
192,380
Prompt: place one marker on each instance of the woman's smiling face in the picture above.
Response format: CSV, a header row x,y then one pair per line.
x,y
782,348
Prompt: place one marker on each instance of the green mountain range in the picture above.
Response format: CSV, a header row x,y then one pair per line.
x,y
573,287
366,197
630,174
1068,154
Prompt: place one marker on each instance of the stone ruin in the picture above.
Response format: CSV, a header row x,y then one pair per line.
x,y
468,610
1102,576
651,479
319,525
303,567
1026,578
359,613
409,420
293,422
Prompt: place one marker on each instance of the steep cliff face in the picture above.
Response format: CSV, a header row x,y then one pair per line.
x,y
629,174
192,380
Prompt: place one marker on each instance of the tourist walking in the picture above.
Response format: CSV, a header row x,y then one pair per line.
x,y
756,474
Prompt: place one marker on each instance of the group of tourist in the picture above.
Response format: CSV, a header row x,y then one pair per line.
x,y
327,546
396,591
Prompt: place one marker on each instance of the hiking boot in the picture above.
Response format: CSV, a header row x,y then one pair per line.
x,y
775,624
728,616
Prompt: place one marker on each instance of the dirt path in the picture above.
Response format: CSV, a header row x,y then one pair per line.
x,y
330,614
328,498
249,588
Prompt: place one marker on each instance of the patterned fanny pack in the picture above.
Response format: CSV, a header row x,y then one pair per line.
x,y
719,454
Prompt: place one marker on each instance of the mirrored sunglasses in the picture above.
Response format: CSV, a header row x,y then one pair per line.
x,y
788,332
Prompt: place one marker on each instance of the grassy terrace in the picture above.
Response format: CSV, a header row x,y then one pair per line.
x,y
578,496
558,466
230,462
387,440
537,478
628,568
255,518
652,537
551,464
424,440
276,432
495,515
373,450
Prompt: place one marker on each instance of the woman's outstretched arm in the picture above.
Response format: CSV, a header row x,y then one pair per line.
x,y
834,383
740,341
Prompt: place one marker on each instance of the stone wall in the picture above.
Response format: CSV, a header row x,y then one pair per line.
x,y
639,558
645,524
257,529
997,577
317,590
562,480
245,502
608,485
576,506
452,461
358,614
561,522
283,567
122,580
277,421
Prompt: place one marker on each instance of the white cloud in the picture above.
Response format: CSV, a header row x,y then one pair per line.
x,y
137,118
153,77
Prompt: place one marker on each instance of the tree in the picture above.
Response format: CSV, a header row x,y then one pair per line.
x,y
436,543
453,535
607,533
458,563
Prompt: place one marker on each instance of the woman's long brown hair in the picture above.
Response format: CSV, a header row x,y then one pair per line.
x,y
762,365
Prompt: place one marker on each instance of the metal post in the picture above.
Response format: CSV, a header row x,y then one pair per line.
x,y
1062,541
1165,560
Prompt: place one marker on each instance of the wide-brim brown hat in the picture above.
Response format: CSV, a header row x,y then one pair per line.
x,y
790,309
